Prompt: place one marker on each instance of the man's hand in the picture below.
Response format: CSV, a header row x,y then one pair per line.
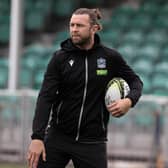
x,y
119,107
36,148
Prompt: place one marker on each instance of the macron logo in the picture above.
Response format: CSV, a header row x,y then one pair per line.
x,y
71,62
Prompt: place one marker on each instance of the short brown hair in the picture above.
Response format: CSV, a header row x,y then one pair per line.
x,y
94,15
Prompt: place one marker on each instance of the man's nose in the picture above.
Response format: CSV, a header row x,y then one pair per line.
x,y
75,28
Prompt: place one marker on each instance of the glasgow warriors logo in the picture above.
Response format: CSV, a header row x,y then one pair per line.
x,y
101,63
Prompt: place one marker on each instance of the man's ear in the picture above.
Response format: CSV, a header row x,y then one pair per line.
x,y
96,28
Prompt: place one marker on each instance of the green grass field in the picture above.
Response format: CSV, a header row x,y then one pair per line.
x,y
6,165
10,165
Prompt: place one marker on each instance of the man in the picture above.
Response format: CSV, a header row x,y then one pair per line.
x,y
74,90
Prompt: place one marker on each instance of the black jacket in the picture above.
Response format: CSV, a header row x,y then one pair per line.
x,y
74,89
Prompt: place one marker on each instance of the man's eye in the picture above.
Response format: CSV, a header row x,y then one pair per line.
x,y
80,25
77,25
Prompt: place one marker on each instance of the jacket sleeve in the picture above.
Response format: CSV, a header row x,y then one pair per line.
x,y
122,69
47,95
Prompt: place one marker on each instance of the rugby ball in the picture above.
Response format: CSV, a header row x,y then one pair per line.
x,y
117,88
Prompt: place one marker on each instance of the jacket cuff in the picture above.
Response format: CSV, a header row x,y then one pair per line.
x,y
37,136
132,100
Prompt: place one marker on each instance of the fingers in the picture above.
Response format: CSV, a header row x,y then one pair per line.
x,y
115,109
36,148
44,155
113,104
29,157
36,159
116,113
33,159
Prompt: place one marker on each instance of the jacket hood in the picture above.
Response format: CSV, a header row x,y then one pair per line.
x,y
68,45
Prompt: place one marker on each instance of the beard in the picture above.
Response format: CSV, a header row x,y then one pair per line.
x,y
81,41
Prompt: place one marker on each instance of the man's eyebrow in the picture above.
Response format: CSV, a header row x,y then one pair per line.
x,y
71,23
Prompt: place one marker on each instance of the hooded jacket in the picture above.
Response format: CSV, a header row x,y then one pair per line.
x,y
74,89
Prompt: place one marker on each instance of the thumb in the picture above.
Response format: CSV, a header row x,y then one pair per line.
x,y
44,155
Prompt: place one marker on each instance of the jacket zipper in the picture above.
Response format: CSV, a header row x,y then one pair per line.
x,y
102,117
58,111
84,98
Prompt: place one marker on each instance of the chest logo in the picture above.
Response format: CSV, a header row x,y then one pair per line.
x,y
101,63
71,62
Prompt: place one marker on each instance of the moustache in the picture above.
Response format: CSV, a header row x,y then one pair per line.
x,y
75,35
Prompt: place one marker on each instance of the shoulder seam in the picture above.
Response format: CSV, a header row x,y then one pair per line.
x,y
110,49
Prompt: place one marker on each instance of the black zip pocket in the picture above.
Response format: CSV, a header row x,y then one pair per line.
x,y
102,118
58,111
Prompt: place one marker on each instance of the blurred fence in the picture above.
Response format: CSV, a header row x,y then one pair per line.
x,y
140,135
16,114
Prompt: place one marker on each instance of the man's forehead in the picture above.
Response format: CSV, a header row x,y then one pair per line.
x,y
80,17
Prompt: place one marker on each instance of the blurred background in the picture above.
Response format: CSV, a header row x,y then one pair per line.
x,y
31,30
